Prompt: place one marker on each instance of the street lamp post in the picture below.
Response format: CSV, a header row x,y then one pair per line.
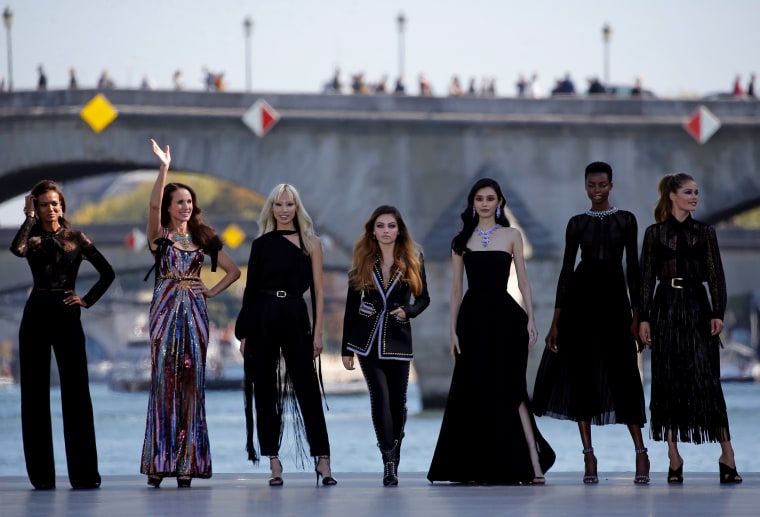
x,y
606,33
247,29
401,23
8,21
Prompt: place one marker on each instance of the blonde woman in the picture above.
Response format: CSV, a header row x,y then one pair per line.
x,y
273,324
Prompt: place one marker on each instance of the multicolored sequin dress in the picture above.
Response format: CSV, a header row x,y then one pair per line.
x,y
176,437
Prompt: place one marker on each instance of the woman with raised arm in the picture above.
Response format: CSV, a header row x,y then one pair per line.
x,y
491,334
683,326
176,437
387,271
51,320
274,330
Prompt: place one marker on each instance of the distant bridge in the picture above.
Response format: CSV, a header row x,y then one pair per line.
x,y
347,154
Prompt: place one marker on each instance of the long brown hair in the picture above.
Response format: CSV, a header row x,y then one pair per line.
x,y
669,183
203,235
406,254
50,186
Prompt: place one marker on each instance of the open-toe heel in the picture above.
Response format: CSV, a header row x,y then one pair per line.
x,y
675,476
275,480
728,474
155,481
326,480
642,467
590,477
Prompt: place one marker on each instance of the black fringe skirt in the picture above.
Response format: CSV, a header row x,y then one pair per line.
x,y
687,397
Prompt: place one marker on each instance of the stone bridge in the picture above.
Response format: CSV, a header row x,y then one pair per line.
x,y
347,154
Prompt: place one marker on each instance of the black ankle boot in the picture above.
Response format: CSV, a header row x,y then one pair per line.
x,y
390,465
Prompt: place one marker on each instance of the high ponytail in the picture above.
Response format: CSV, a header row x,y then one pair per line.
x,y
669,183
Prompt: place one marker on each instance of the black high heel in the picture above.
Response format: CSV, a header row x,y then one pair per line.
x,y
155,481
326,480
390,464
184,482
675,476
590,466
728,474
641,477
275,480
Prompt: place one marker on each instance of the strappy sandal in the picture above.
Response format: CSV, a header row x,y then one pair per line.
x,y
642,478
728,474
590,464
275,480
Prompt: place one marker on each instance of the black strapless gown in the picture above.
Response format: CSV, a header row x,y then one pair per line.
x,y
482,438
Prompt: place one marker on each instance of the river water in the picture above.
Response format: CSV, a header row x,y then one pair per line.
x,y
120,424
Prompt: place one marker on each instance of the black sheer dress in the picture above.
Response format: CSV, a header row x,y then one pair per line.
x,y
594,375
687,397
54,258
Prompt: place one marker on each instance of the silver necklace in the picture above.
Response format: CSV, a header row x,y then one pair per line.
x,y
601,214
484,236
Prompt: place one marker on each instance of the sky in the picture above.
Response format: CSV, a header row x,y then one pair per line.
x,y
677,47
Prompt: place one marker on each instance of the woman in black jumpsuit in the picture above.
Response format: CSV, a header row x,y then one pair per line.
x,y
52,319
285,262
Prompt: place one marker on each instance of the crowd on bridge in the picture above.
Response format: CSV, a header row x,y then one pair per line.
x,y
526,86
610,306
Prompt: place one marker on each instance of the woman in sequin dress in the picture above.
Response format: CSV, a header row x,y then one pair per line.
x,y
176,437
589,371
683,326
52,321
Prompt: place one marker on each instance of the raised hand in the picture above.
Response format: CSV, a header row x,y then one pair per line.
x,y
164,157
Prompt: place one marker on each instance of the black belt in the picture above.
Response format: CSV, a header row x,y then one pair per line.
x,y
280,294
676,282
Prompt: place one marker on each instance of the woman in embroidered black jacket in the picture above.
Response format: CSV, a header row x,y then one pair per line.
x,y
387,271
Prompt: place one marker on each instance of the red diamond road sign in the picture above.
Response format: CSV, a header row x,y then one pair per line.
x,y
135,240
261,117
702,125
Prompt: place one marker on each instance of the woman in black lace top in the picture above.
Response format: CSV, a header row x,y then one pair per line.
x,y
683,327
52,319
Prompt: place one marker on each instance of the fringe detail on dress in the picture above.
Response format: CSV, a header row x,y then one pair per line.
x,y
687,397
249,423
288,409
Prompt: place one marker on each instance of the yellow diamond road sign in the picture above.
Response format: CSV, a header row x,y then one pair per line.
x,y
99,113
233,235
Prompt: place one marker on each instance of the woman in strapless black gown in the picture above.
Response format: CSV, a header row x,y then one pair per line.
x,y
488,435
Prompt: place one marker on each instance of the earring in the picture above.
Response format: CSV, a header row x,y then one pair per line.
x,y
473,211
498,211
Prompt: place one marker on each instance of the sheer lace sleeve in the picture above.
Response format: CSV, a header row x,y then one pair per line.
x,y
716,280
20,241
572,242
101,265
648,273
632,260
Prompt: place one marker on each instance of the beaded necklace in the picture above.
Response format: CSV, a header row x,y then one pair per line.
x,y
601,214
484,236
184,239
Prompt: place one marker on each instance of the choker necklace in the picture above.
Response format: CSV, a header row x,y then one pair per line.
x,y
601,214
184,239
485,235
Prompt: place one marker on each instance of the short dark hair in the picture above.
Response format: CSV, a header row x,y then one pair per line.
x,y
602,167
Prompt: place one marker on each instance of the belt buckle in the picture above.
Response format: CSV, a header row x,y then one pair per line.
x,y
280,294
673,282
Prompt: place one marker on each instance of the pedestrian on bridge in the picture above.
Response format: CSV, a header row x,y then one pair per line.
x,y
176,437
683,327
52,320
387,270
589,370
280,346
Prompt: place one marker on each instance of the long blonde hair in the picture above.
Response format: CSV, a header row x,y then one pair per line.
x,y
406,254
301,221
669,183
